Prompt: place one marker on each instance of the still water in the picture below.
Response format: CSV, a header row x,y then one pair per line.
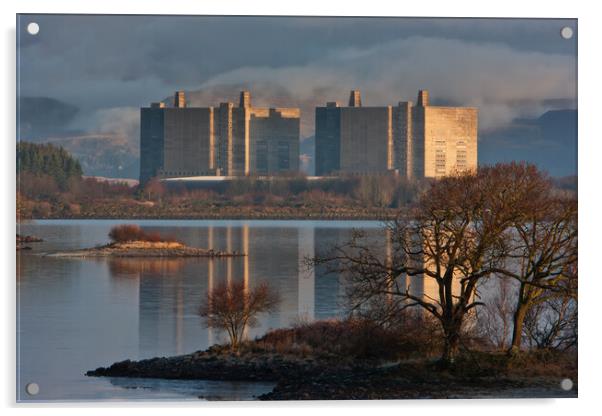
x,y
74,315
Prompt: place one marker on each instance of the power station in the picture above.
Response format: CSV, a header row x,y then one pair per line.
x,y
182,141
415,141
412,140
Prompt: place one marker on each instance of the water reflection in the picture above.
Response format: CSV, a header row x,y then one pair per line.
x,y
205,389
170,290
77,314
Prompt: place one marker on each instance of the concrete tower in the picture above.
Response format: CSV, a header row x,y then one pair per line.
x,y
245,99
179,99
355,99
423,98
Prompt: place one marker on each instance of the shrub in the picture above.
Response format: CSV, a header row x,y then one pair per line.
x,y
131,232
354,338
536,363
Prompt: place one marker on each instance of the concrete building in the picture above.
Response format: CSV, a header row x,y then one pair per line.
x,y
414,141
182,141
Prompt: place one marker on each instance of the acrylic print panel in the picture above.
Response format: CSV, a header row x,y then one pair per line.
x,y
275,208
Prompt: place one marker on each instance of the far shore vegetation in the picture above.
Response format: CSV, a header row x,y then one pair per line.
x,y
50,185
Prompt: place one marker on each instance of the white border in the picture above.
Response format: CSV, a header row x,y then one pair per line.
x,y
590,151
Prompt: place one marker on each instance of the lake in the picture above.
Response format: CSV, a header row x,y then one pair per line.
x,y
75,315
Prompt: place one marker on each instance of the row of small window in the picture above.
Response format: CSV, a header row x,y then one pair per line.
x,y
185,173
442,143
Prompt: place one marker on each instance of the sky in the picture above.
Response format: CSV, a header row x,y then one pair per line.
x,y
109,66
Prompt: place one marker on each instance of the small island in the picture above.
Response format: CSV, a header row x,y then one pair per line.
x,y
132,241
22,240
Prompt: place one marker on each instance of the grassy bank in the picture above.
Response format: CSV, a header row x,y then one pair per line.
x,y
134,209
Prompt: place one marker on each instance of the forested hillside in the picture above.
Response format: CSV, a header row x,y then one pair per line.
x,y
47,160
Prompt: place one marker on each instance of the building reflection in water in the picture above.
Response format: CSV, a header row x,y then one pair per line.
x,y
328,287
210,283
171,290
307,277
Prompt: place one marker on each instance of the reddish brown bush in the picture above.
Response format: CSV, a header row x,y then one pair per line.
x,y
131,232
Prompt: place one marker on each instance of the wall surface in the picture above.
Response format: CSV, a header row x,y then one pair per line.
x,y
366,139
450,140
151,142
227,140
328,140
274,141
188,141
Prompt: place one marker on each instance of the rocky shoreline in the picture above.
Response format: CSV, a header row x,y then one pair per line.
x,y
310,378
402,381
26,239
214,364
146,249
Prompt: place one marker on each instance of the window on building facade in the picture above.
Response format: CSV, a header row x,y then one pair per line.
x,y
261,157
440,157
283,156
461,155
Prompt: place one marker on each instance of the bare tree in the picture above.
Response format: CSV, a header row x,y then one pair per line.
x,y
232,307
543,257
552,324
495,318
454,238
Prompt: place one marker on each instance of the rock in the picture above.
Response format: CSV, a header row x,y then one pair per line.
x,y
28,239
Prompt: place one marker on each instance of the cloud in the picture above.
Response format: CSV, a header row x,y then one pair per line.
x,y
504,83
95,61
117,121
